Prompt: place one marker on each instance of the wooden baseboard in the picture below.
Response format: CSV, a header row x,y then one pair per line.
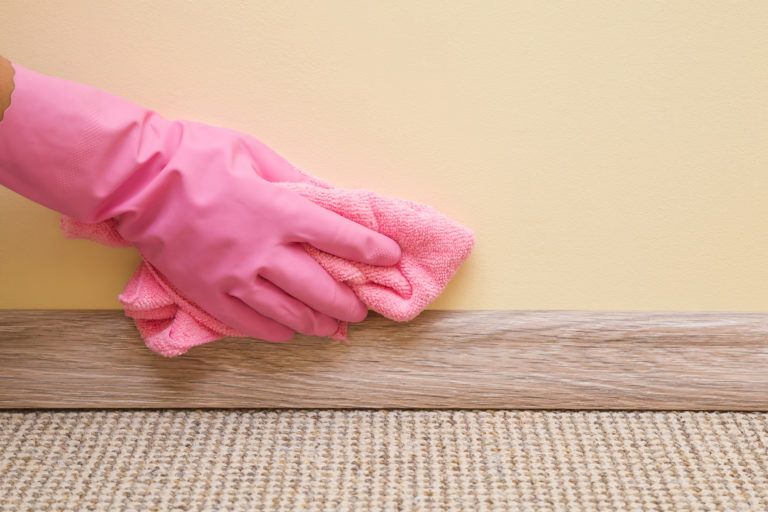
x,y
444,359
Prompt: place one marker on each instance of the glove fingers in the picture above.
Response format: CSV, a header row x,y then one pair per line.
x,y
337,235
238,315
303,278
272,302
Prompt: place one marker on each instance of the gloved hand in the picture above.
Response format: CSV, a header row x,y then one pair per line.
x,y
196,200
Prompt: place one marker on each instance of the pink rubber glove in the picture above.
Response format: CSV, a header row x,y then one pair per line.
x,y
196,200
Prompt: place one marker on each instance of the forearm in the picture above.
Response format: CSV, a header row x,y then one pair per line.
x,y
6,84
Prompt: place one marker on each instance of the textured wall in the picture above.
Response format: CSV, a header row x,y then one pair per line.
x,y
608,154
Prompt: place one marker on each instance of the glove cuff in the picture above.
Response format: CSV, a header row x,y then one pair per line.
x,y
77,149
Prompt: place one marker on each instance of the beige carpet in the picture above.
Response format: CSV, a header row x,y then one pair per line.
x,y
383,460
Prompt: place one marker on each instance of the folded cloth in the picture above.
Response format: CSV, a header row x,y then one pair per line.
x,y
433,247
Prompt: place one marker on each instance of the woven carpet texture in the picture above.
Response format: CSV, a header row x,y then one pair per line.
x,y
189,460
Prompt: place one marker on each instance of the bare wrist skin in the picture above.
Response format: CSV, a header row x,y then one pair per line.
x,y
6,84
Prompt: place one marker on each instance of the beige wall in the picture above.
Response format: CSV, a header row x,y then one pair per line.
x,y
608,154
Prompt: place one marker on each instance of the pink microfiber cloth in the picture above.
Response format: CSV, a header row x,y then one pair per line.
x,y
433,247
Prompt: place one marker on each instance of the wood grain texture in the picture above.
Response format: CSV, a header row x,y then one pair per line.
x,y
444,359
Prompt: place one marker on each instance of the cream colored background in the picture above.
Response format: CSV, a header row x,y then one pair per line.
x,y
608,154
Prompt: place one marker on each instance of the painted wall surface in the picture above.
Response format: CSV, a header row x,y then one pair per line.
x,y
609,155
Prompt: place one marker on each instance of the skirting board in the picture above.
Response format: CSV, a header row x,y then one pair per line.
x,y
443,359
